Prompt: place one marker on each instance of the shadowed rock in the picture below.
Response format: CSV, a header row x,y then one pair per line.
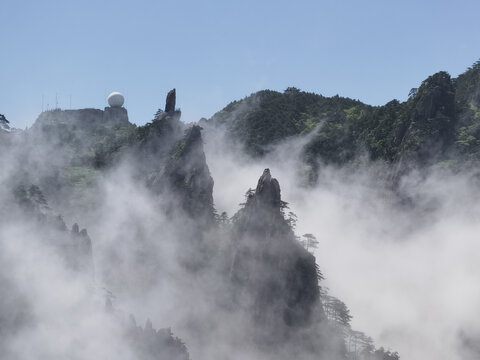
x,y
274,276
268,190
188,176
170,103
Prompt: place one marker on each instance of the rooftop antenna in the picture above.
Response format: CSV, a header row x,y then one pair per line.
x,y
56,101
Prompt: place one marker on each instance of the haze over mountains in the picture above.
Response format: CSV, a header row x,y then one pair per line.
x,y
105,223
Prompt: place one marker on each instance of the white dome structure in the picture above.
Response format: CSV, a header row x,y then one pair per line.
x,y
116,99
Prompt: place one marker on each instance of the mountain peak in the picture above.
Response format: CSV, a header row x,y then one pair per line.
x,y
170,102
268,190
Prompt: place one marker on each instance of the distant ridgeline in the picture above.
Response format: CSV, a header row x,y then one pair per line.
x,y
439,121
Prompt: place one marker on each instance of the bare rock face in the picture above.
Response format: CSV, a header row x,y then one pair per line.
x,y
268,190
276,278
188,176
4,124
170,103
175,158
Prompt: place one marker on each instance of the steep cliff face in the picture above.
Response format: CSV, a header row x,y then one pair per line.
x,y
176,163
4,124
189,178
171,101
5,135
276,282
157,138
275,276
185,187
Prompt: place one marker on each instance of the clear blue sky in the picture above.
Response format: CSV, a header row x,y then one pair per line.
x,y
214,52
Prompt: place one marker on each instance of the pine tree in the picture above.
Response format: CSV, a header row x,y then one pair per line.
x,y
309,242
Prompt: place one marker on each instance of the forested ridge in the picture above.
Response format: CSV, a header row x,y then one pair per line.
x,y
439,122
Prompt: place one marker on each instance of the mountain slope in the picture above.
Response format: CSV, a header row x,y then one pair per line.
x,y
439,121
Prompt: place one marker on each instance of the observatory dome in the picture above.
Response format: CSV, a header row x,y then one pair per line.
x,y
116,99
